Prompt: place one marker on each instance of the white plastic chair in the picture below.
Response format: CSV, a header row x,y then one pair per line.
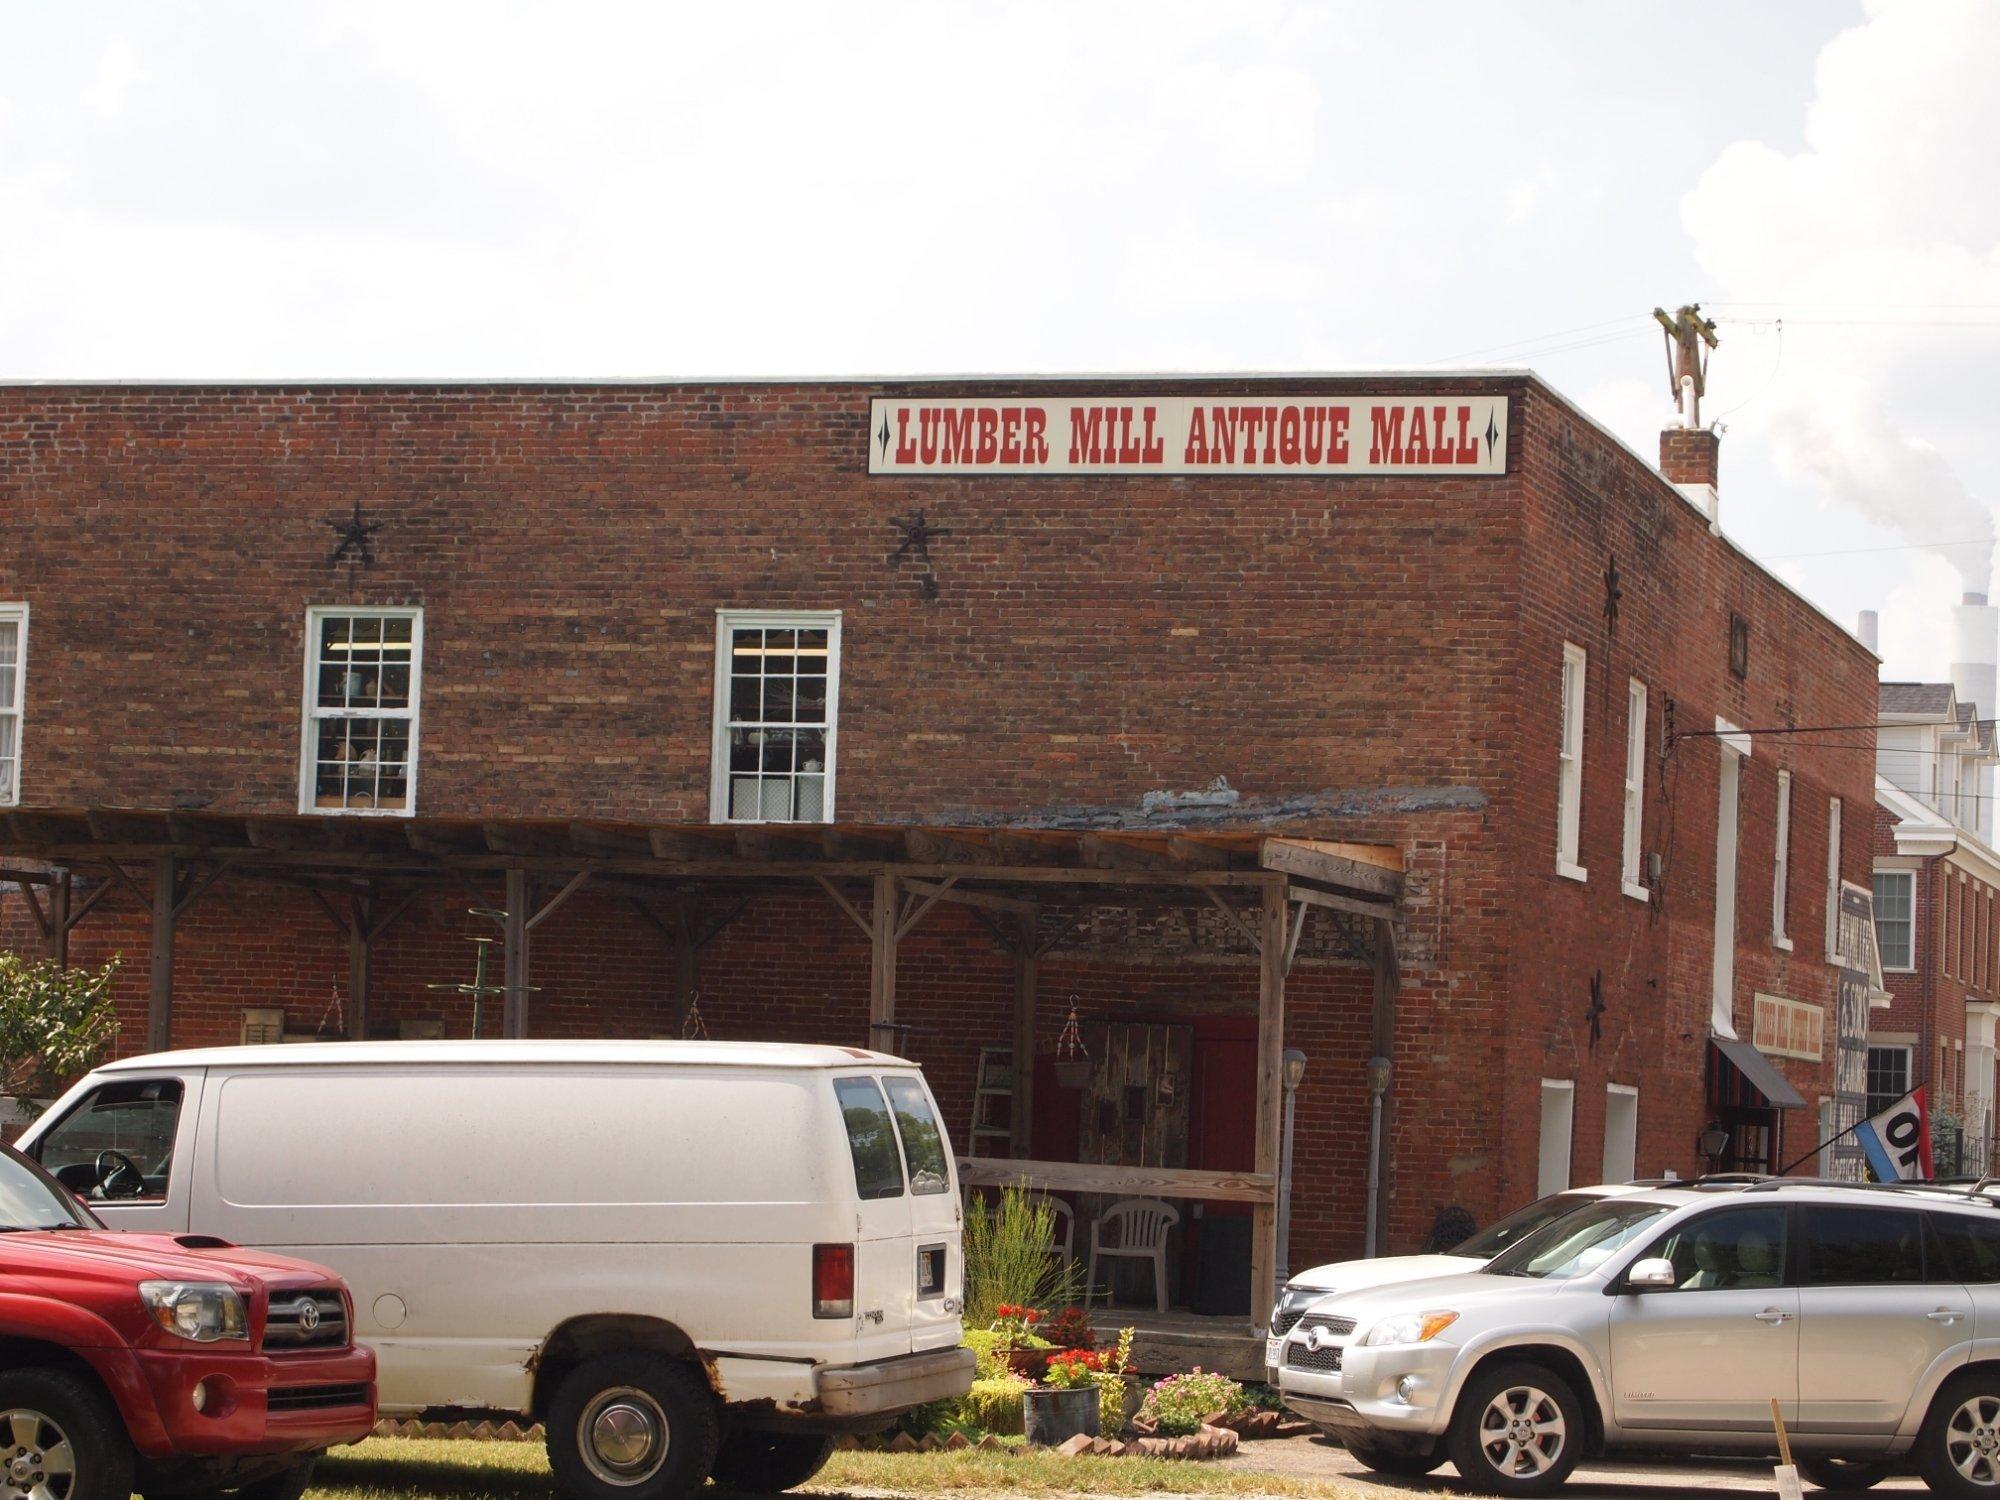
x,y
1063,1230
1139,1232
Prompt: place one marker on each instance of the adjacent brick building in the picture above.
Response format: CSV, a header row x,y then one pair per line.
x,y
1505,662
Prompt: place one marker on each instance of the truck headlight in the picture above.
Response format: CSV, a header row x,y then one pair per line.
x,y
203,1312
1414,1328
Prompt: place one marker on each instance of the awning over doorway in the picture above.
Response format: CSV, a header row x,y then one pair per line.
x,y
1746,1078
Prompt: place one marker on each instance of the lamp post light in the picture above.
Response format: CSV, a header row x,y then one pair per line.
x,y
1712,1142
1292,1069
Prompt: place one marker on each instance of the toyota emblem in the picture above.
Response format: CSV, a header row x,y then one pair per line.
x,y
308,1311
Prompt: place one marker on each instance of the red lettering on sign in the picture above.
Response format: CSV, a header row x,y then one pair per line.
x,y
1385,443
1197,443
1127,451
906,451
927,434
1035,447
1288,435
1419,449
1252,418
1336,434
958,434
1152,449
989,436
1086,434
1010,434
1223,443
1468,443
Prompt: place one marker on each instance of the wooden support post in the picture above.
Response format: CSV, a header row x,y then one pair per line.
x,y
160,995
1270,1099
883,919
1020,1134
360,924
1388,978
514,1006
60,919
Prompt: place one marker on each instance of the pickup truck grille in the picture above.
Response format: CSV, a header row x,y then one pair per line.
x,y
314,1397
1299,1357
313,1319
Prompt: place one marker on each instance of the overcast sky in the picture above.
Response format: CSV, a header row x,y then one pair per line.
x,y
645,189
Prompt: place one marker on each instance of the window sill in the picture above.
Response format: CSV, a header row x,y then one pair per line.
x,y
1636,892
1569,871
1782,943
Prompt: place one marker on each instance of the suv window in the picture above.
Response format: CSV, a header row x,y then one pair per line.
x,y
1972,1245
1848,1245
923,1142
1736,1248
117,1145
1580,1241
871,1139
1521,1223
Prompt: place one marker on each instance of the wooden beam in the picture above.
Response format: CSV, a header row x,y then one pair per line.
x,y
931,846
1296,931
28,895
865,923
1121,1182
920,903
1251,934
1020,1132
882,964
341,923
1331,864
132,887
381,924
514,1007
82,909
192,892
1030,846
360,961
1110,851
555,902
1388,979
1333,901
964,896
160,989
610,841
61,920
1270,1099
26,877
862,843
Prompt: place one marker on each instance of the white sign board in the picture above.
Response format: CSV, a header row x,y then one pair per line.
x,y
1290,435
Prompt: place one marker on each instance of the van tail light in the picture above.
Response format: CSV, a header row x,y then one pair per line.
x,y
833,1281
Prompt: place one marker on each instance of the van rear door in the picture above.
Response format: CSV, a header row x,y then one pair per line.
x,y
884,1281
939,1273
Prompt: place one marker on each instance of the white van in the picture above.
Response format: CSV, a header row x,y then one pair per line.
x,y
683,1258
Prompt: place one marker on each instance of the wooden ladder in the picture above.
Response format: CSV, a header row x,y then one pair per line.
x,y
993,1124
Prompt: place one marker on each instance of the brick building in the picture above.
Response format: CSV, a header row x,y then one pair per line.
x,y
1937,908
1390,715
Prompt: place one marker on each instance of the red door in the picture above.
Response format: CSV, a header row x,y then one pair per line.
x,y
1222,1116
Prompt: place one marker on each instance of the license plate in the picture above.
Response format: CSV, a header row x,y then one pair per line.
x,y
930,1271
1274,1353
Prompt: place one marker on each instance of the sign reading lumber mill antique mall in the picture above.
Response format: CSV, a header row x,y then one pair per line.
x,y
1190,435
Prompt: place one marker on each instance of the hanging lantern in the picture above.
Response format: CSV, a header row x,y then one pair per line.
x,y
1072,1057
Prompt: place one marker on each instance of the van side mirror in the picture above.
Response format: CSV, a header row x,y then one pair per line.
x,y
1653,1274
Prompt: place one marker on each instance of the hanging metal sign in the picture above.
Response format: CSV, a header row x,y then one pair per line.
x,y
1190,435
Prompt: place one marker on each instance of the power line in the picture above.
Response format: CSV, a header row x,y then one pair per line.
x,y
1594,334
1971,541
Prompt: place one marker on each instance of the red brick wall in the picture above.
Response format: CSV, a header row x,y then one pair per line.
x,y
1373,659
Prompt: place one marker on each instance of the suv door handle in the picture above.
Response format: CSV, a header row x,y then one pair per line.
x,y
1773,1316
1944,1315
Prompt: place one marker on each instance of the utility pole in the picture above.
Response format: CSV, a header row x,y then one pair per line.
x,y
1687,363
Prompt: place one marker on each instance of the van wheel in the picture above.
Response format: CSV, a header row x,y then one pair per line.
x,y
1958,1447
1403,1463
1845,1475
762,1463
60,1438
631,1426
1518,1430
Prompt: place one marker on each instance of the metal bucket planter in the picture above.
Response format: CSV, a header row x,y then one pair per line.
x,y
1051,1418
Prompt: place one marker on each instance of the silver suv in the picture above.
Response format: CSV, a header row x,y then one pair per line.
x,y
1668,1320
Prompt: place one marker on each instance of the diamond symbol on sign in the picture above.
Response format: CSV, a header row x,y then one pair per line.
x,y
1492,434
882,437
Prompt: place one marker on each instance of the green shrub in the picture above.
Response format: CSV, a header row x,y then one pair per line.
x,y
986,1346
994,1405
932,1417
1010,1257
55,1024
1178,1403
1114,1381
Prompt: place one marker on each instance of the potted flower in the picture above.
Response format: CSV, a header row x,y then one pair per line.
x,y
1025,1351
1066,1403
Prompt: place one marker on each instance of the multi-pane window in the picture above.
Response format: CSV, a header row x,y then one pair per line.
x,y
1782,861
1635,785
1833,880
363,677
1888,1077
1569,765
1896,918
13,689
777,706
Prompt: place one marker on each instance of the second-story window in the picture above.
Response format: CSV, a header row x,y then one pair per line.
x,y
1635,787
777,701
1833,880
363,678
13,690
1896,918
1781,861
1569,765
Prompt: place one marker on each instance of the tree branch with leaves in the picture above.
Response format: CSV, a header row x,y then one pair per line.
x,y
55,1024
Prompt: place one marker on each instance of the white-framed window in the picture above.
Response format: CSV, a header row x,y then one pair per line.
x,y
1558,1118
13,697
1781,862
1621,1133
1833,880
363,688
1888,1077
777,716
1635,790
1896,919
1569,765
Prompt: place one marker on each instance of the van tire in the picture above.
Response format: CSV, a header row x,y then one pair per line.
x,y
89,1424
631,1427
1491,1402
763,1463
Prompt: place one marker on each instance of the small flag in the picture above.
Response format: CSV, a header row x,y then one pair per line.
x,y
1897,1142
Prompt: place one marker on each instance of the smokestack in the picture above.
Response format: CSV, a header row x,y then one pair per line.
x,y
1975,642
1870,631
1690,458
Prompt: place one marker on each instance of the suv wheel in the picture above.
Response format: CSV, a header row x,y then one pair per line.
x,y
60,1439
631,1427
1518,1430
1846,1475
1958,1449
763,1463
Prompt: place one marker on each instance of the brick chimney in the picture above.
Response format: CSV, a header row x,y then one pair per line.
x,y
1690,458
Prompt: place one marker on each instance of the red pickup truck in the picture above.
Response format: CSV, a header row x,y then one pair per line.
x,y
168,1364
